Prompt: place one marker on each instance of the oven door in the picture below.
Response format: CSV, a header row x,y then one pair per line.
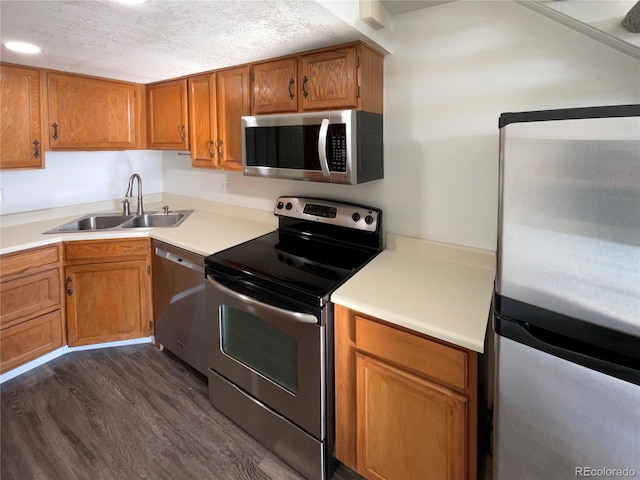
x,y
273,351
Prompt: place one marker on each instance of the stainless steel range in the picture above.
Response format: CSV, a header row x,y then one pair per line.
x,y
272,370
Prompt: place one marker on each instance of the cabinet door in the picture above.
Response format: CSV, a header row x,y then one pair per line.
x,y
274,87
91,113
107,302
29,340
233,103
408,428
203,121
328,80
167,115
21,144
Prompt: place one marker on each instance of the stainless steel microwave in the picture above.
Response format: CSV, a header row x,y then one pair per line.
x,y
341,146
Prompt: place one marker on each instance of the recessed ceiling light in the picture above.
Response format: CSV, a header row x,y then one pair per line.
x,y
22,47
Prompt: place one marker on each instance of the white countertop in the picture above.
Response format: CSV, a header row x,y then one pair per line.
x,y
437,289
210,228
433,288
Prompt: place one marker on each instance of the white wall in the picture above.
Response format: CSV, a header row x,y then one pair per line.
x,y
454,69
79,177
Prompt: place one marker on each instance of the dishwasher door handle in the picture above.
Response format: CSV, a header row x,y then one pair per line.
x,y
172,257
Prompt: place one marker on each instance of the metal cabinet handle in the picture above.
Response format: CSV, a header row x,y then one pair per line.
x,y
36,148
220,152
55,130
211,151
305,93
67,285
182,135
291,83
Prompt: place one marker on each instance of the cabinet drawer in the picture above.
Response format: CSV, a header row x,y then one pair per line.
x,y
23,262
29,340
447,365
29,295
98,251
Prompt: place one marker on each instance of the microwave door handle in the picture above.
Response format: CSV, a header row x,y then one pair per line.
x,y
322,146
280,312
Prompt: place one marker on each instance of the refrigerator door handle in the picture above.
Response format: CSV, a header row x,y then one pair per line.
x,y
606,361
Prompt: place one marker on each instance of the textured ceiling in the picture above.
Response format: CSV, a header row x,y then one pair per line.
x,y
163,39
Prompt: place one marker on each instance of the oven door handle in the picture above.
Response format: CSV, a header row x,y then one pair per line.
x,y
281,312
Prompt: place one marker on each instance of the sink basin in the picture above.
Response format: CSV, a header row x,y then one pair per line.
x,y
111,221
93,222
172,219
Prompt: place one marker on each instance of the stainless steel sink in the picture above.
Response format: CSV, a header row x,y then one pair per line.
x,y
111,221
171,219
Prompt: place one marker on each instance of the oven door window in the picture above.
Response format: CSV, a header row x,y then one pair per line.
x,y
260,346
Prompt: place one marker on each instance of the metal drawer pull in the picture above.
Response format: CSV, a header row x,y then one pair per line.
x,y
281,312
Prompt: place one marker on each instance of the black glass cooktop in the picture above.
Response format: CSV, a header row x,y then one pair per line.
x,y
292,264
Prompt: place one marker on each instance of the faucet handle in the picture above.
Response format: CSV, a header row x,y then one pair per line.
x,y
165,209
125,207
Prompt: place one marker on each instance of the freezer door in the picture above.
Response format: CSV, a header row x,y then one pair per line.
x,y
569,226
554,419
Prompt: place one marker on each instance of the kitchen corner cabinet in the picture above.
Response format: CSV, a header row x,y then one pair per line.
x,y
21,119
31,314
88,113
167,115
108,290
406,404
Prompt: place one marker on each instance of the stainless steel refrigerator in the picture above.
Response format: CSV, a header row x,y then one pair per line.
x,y
567,303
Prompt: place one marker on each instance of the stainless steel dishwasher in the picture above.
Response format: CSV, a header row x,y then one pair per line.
x,y
179,305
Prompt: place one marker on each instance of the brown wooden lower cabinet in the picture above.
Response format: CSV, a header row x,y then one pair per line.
x,y
108,290
31,314
406,404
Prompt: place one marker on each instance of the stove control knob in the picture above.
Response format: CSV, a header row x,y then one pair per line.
x,y
355,216
280,205
368,219
288,206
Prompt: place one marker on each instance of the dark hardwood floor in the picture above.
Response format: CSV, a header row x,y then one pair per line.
x,y
125,413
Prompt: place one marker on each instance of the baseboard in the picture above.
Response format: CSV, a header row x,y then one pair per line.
x,y
64,350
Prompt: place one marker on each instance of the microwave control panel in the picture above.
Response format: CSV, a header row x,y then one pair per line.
x,y
338,156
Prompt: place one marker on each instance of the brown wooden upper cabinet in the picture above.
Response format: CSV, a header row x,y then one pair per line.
x,y
346,77
275,87
233,102
203,134
88,113
167,116
21,143
217,102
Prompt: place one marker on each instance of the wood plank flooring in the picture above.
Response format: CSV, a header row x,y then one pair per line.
x,y
125,413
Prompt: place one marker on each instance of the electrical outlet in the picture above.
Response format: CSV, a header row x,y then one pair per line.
x,y
2,195
225,186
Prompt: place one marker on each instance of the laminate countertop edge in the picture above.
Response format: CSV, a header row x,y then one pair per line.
x,y
436,289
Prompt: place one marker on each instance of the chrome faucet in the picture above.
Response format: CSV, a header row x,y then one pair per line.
x,y
140,209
